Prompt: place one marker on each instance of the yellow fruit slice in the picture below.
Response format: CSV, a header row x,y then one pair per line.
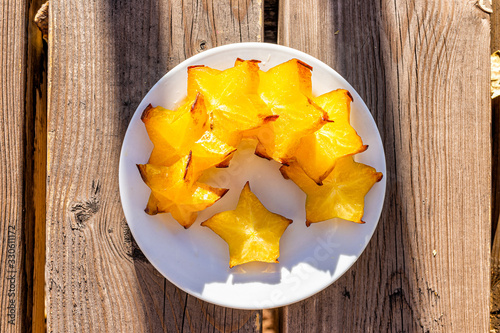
x,y
174,189
199,73
185,216
342,194
210,151
231,99
251,231
173,132
286,89
318,152
152,205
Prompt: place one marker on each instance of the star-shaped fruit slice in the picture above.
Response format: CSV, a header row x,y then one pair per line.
x,y
175,133
318,152
231,98
251,231
175,190
286,89
342,194
199,73
210,151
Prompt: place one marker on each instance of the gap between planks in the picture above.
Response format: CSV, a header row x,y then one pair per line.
x,y
35,162
495,204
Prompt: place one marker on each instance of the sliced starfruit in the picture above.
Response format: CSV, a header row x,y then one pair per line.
x,y
209,151
251,231
175,190
184,215
173,132
199,73
318,152
231,98
342,194
286,89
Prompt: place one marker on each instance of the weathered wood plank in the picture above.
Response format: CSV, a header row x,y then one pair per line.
x,y
104,56
422,67
13,281
495,27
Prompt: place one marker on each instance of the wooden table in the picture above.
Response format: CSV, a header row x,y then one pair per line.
x,y
422,67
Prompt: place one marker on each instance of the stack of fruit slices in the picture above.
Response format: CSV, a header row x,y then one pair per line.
x,y
310,136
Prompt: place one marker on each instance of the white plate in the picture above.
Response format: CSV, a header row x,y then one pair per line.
x,y
196,260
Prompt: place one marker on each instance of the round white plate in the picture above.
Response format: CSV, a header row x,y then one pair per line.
x,y
197,260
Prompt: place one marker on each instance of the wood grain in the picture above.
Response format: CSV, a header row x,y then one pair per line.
x,y
13,282
104,57
422,67
495,27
